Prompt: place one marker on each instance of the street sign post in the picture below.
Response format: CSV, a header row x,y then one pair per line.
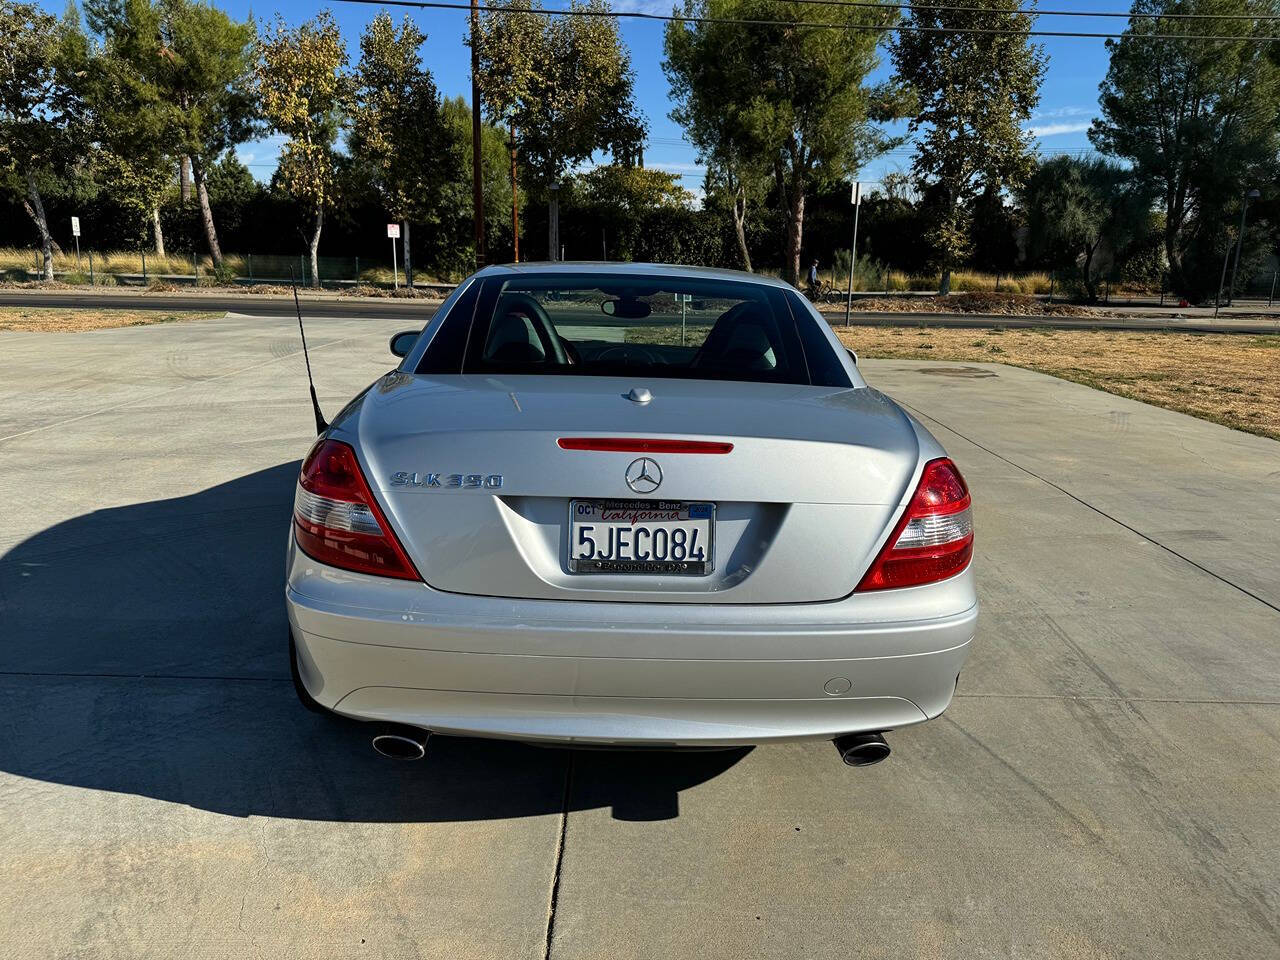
x,y
75,232
393,231
683,299
856,197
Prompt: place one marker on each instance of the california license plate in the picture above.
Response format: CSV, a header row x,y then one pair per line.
x,y
641,536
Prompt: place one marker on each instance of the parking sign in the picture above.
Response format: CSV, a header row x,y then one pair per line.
x,y
393,231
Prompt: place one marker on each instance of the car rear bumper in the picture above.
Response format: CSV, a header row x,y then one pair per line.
x,y
622,673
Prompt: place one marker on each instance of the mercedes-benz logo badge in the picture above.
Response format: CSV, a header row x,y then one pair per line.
x,y
644,475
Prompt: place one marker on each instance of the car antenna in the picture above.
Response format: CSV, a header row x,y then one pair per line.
x,y
321,425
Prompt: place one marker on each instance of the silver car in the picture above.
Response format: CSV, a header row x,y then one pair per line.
x,y
629,505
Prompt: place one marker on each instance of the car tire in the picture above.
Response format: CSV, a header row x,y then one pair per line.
x,y
299,687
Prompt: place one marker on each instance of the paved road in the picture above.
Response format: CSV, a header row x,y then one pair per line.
x,y
1193,320
1105,785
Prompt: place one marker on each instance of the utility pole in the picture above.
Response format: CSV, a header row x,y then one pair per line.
x,y
553,224
515,199
477,185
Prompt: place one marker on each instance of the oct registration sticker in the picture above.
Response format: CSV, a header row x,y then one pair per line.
x,y
641,536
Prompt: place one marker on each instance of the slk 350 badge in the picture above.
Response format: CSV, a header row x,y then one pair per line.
x,y
472,481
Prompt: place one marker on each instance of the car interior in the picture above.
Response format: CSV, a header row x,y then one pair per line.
x,y
742,338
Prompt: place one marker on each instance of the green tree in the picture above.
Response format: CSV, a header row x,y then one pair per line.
x,y
509,46
305,93
1082,212
451,244
975,91
398,131
993,233
632,191
731,186
1197,120
707,108
41,135
793,101
175,82
132,119
563,85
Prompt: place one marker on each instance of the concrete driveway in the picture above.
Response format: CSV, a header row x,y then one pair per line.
x,y
1107,783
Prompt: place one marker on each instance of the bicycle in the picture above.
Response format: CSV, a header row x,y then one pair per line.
x,y
825,292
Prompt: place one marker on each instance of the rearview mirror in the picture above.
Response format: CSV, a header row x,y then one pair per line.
x,y
853,356
403,342
626,308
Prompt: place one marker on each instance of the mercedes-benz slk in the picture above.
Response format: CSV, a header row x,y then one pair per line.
x,y
629,505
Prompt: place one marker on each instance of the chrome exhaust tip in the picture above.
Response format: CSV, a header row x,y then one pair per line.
x,y
861,749
402,743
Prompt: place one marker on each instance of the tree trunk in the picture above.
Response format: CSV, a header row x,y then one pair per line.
x,y
946,240
157,231
795,231
553,226
184,177
206,213
315,247
740,225
35,209
1090,289
1172,252
408,259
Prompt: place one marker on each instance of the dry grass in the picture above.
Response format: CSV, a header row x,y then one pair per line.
x,y
999,304
1232,379
15,262
868,277
62,320
113,261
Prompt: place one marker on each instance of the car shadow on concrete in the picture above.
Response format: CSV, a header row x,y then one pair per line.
x,y
143,651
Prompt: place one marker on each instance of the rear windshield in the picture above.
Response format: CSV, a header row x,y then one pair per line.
x,y
593,325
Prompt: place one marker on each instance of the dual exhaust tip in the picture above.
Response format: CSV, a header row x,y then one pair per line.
x,y
410,743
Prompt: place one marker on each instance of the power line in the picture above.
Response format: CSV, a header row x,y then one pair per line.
x,y
1032,12
862,27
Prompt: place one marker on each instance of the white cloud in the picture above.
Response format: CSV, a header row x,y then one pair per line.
x,y
1055,129
682,170
1059,112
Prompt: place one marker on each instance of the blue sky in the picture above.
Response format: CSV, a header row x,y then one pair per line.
x,y
1069,95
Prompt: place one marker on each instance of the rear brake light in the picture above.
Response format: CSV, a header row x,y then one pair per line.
x,y
640,445
934,538
337,521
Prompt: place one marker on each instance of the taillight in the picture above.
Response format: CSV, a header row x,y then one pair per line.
x,y
337,521
934,538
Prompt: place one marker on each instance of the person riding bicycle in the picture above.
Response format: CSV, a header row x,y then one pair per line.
x,y
814,285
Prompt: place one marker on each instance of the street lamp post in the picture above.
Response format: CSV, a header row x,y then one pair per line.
x,y
1244,210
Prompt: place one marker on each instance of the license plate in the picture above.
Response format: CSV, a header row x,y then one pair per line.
x,y
641,536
